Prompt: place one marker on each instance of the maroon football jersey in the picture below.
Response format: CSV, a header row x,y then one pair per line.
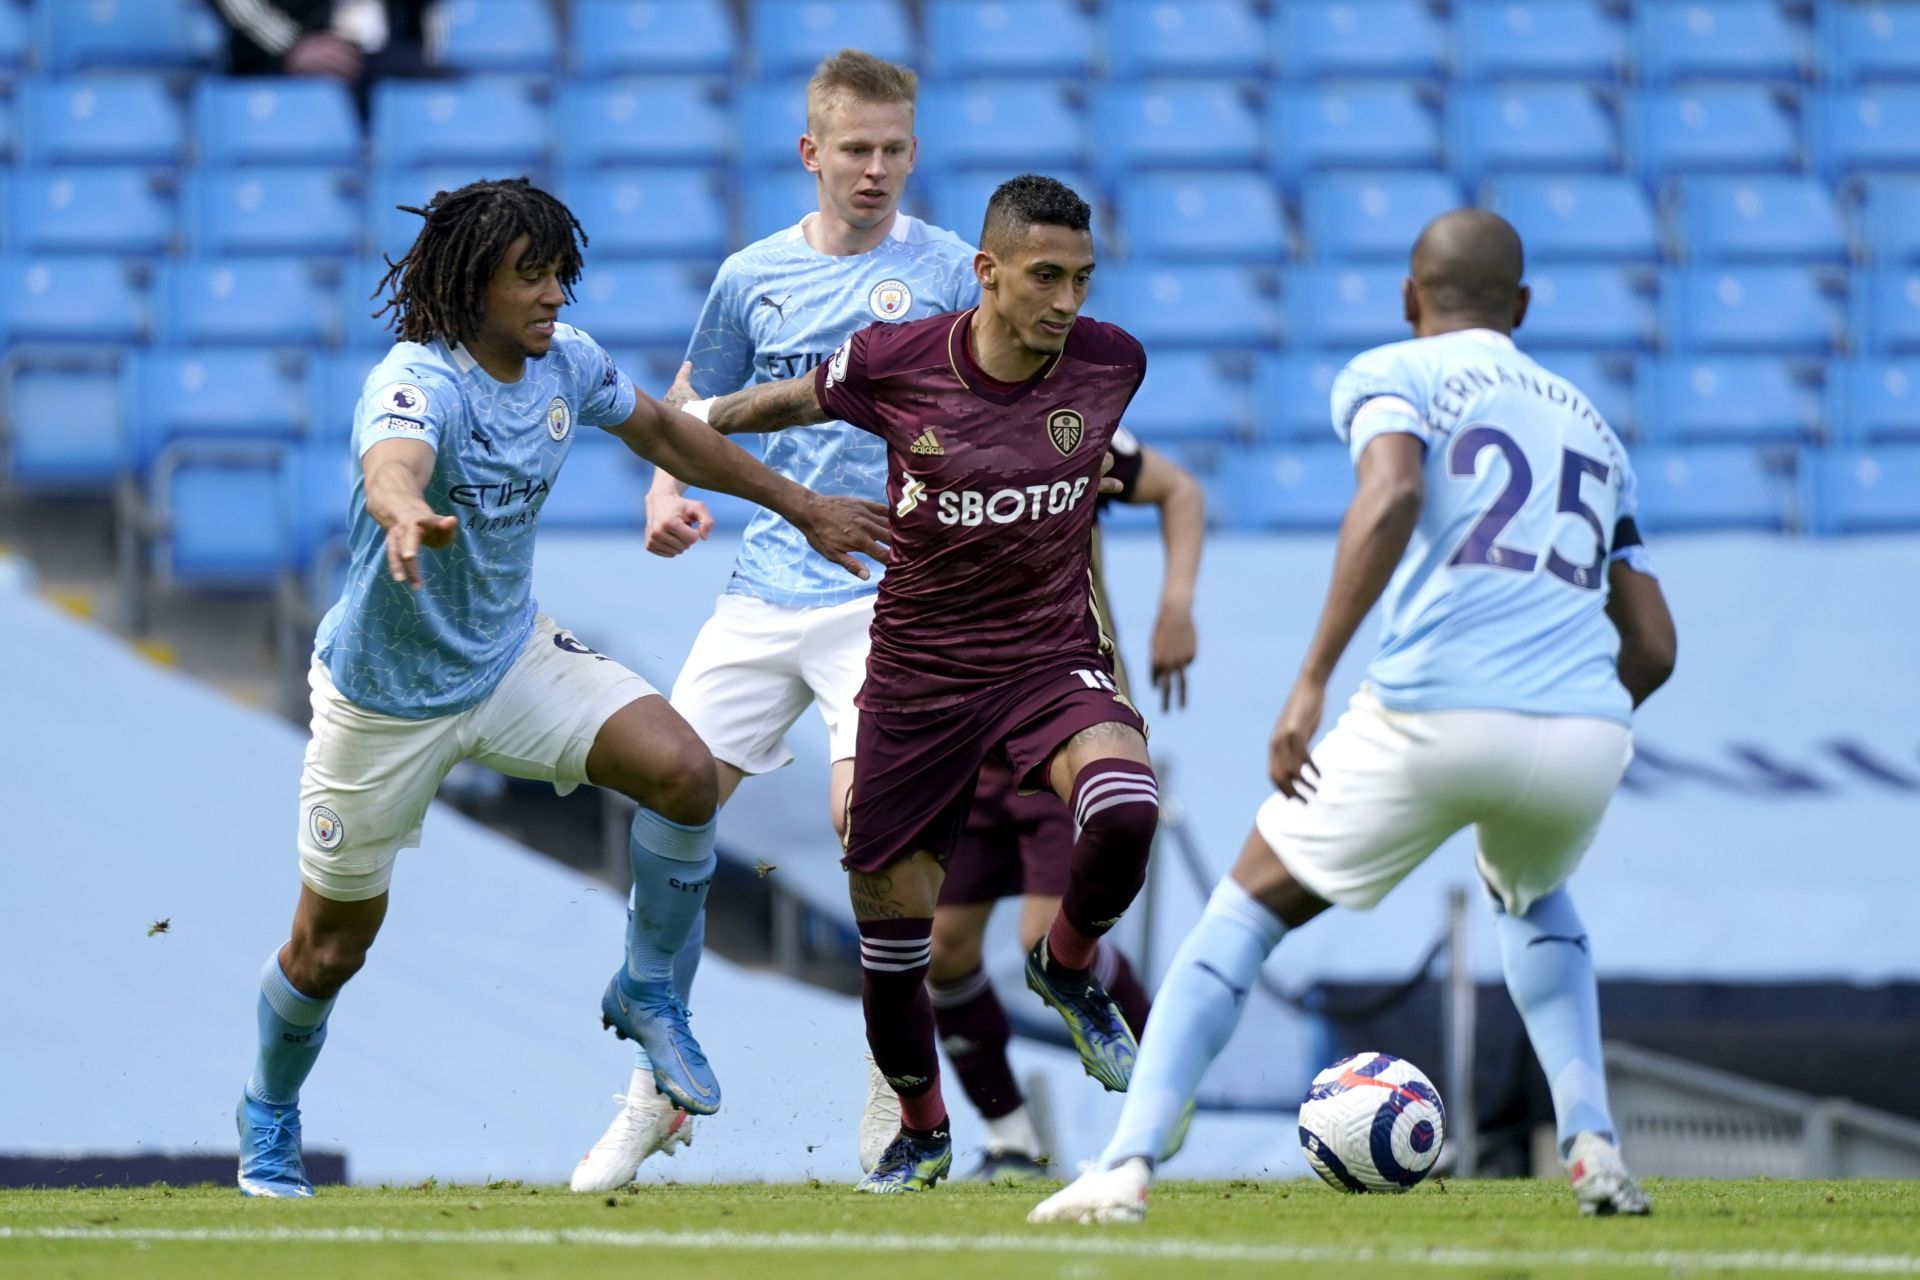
x,y
993,488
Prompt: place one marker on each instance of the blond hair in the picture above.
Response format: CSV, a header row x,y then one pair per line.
x,y
852,76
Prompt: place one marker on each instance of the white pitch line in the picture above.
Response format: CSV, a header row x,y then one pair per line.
x,y
1076,1243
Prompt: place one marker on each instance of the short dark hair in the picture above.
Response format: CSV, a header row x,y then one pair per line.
x,y
1033,200
439,284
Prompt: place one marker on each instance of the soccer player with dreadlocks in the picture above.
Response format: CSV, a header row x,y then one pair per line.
x,y
435,652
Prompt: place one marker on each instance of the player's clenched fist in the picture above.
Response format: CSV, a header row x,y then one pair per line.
x,y
1287,760
405,539
675,522
840,528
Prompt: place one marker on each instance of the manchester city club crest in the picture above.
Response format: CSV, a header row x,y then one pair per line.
x,y
1066,429
559,418
890,299
325,826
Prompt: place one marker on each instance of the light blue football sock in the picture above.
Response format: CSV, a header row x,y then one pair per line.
x,y
1194,1014
293,1026
672,870
686,962
1550,976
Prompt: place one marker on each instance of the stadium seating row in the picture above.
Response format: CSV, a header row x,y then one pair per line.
x,y
1658,42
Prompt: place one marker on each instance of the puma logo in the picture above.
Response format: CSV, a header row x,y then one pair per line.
x,y
780,307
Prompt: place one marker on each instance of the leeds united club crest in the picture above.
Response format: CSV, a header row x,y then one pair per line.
x,y
1066,429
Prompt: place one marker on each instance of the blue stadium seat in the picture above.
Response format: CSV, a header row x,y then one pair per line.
x,y
63,428
602,486
478,122
958,201
768,120
1865,130
1175,124
1186,396
1296,488
8,150
790,37
1728,399
1537,40
264,121
1886,219
1761,218
1728,39
1862,42
304,212
334,382
362,329
1784,310
82,210
1865,490
641,122
1506,127
1874,399
316,483
649,213
504,36
1008,125
1292,395
666,37
775,199
241,302
1345,308
636,304
224,396
1195,38
1574,217
221,520
99,120
1203,217
1606,380
72,35
70,300
393,230
1198,306
1350,217
1362,126
1397,39
993,38
1711,128
1589,306
1710,487
1886,311
14,42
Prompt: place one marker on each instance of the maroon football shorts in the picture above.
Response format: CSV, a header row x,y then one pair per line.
x,y
1012,843
914,772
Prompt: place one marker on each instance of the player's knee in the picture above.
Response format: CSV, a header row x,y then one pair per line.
x,y
686,791
322,963
956,951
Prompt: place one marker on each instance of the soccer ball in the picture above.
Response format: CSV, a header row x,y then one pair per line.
x,y
1372,1122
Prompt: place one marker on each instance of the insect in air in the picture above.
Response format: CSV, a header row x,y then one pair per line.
x,y
160,926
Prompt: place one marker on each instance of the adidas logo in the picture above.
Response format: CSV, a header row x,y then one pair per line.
x,y
928,445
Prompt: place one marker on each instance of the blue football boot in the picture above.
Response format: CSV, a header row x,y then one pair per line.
x,y
910,1164
1107,1048
270,1163
651,1013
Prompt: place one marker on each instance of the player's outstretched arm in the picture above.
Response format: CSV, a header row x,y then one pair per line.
x,y
396,473
838,528
770,406
1166,484
1648,641
1379,522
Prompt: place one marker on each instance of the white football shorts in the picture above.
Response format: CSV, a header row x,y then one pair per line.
x,y
369,778
754,668
1394,785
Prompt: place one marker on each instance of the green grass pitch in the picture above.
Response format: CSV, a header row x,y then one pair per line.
x,y
1505,1230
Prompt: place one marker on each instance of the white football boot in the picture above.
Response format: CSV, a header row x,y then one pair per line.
x,y
1118,1194
646,1123
1601,1182
880,1122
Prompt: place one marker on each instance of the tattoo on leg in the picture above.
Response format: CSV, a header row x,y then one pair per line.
x,y
873,896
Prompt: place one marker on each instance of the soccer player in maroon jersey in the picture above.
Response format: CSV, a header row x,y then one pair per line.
x,y
985,640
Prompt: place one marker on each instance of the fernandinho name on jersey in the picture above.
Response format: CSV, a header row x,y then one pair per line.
x,y
1499,602
498,448
779,308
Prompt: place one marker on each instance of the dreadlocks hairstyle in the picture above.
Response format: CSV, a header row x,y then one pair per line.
x,y
437,286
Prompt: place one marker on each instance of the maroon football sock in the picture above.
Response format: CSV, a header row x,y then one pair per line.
x,y
1116,807
894,955
1117,976
974,1032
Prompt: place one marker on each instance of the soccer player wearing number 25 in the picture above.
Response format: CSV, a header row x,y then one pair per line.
x,y
984,640
1521,624
428,659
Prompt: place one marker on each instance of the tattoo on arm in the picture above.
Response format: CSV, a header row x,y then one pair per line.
x,y
768,407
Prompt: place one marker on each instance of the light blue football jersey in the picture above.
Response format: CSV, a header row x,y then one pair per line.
x,y
1500,601
498,448
778,308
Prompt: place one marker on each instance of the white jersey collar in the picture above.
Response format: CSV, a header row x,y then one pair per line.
x,y
798,231
1488,337
465,363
